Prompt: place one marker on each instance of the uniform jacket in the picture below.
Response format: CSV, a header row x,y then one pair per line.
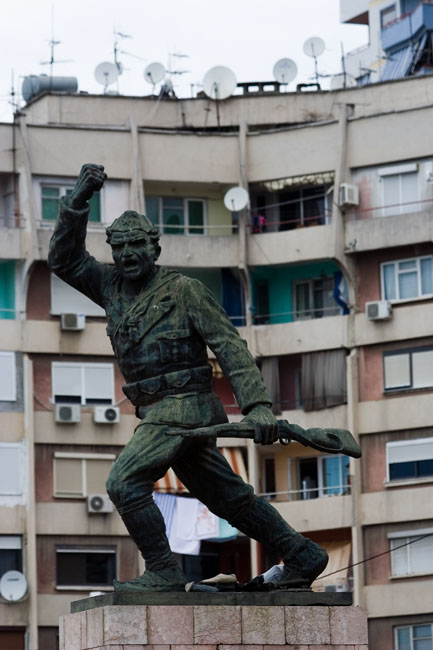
x,y
160,336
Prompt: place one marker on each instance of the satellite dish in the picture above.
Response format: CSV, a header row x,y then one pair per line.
x,y
219,82
106,73
13,586
314,46
342,80
285,70
236,198
154,73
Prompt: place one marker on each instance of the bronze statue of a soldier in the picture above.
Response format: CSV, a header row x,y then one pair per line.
x,y
159,323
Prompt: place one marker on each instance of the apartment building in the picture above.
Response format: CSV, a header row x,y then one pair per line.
x,y
328,276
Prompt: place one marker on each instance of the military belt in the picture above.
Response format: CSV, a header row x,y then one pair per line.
x,y
153,389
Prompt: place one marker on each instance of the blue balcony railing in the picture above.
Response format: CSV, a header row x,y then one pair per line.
x,y
408,27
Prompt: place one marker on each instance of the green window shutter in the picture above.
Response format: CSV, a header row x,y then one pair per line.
x,y
7,290
50,202
152,209
196,217
95,208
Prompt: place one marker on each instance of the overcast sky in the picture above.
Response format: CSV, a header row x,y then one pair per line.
x,y
248,36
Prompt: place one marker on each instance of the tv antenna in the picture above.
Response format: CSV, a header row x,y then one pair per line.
x,y
171,67
236,198
284,71
342,80
314,47
53,42
106,73
154,73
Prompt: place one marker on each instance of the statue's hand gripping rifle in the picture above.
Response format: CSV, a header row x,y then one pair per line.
x,y
330,441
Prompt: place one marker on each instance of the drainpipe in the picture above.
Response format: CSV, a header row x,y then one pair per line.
x,y
136,194
342,174
30,556
29,243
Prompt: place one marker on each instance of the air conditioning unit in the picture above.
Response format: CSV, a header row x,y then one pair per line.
x,y
72,322
68,413
378,310
349,195
106,414
99,503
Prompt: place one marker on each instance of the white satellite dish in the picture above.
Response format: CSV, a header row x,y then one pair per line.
x,y
13,586
342,80
219,82
285,70
236,199
314,46
106,73
154,73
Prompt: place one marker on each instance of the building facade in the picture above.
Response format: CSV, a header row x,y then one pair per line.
x,y
329,277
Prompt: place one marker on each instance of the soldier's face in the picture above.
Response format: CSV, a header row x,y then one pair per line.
x,y
134,259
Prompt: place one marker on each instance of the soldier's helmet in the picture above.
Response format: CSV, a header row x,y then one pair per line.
x,y
132,226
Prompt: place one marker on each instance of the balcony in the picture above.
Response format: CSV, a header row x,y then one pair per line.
x,y
317,514
401,598
409,411
408,27
397,504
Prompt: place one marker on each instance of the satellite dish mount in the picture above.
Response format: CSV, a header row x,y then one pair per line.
x,y
314,47
218,84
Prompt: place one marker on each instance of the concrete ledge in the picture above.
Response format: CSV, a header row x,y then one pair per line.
x,y
294,597
215,627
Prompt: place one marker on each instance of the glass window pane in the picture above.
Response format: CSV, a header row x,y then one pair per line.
x,y
422,644
408,285
402,470
422,369
152,209
407,265
66,382
97,472
396,370
399,558
195,217
98,384
426,276
10,470
302,297
409,190
172,216
421,555
403,639
422,631
7,377
391,195
331,475
68,476
425,467
388,271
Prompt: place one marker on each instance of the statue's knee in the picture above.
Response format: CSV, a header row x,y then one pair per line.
x,y
114,487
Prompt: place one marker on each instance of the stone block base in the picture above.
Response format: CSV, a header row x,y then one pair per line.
x,y
215,627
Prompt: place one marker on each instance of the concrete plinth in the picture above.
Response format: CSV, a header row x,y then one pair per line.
x,y
210,626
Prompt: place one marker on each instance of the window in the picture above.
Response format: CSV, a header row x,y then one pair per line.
x,y
11,475
65,299
80,566
406,279
306,206
78,475
83,383
400,193
415,555
409,459
177,216
50,197
7,289
323,476
414,637
315,298
268,473
7,377
408,369
11,555
387,16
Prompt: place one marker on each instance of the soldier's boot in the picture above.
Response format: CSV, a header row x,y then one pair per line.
x,y
147,528
303,559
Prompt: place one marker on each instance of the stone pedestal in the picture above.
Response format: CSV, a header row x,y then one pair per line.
x,y
203,624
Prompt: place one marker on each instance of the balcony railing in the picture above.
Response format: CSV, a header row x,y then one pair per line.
x,y
408,26
390,209
308,313
306,494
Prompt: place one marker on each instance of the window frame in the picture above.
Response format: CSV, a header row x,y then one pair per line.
x,y
186,226
406,535
409,352
12,396
19,447
83,366
13,543
420,296
404,443
409,627
313,312
83,457
322,490
64,549
386,10
63,187
398,171
92,310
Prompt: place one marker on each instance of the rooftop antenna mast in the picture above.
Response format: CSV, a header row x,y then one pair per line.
x,y
314,47
53,42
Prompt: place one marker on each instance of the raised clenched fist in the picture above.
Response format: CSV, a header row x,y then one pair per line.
x,y
91,179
